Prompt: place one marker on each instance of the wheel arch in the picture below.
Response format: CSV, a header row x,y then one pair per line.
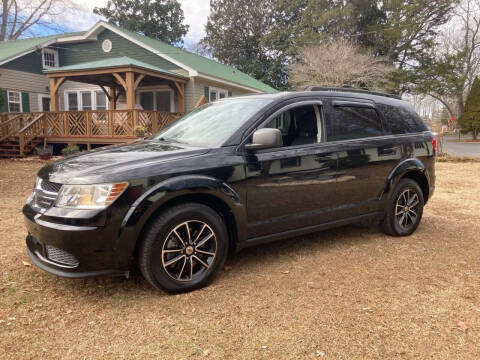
x,y
204,190
413,169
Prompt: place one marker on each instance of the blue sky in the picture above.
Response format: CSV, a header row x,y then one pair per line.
x,y
82,18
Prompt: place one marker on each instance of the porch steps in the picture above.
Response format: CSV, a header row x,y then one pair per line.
x,y
10,147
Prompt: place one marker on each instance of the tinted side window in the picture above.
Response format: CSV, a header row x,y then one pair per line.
x,y
298,126
401,121
351,122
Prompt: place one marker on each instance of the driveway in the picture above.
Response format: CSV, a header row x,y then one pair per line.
x,y
452,146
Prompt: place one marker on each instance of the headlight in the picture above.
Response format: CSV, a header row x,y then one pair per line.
x,y
97,196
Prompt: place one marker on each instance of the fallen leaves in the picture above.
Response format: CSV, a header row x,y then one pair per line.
x,y
349,293
462,326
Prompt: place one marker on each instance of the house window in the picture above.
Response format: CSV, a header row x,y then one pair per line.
x,y
100,100
159,100
14,101
85,100
50,58
72,101
216,93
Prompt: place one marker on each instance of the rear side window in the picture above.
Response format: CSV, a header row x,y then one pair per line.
x,y
352,122
401,121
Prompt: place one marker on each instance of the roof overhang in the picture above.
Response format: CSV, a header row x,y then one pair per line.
x,y
102,25
26,52
229,83
115,69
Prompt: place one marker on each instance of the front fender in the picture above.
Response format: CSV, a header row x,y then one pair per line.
x,y
155,197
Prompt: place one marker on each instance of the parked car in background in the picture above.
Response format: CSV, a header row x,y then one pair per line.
x,y
233,173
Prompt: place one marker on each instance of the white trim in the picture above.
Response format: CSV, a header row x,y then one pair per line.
x,y
79,92
40,103
14,102
77,38
54,52
17,56
155,89
94,32
191,72
26,52
92,35
217,91
229,83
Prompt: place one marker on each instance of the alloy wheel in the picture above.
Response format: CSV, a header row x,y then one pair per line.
x,y
189,250
406,208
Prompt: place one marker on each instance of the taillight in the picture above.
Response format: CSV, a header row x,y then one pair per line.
x,y
434,143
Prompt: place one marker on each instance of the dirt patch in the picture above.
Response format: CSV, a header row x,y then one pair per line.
x,y
348,293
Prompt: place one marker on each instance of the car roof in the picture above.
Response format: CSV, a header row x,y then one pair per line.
x,y
386,99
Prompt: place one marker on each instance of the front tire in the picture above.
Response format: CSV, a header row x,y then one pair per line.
x,y
405,209
184,248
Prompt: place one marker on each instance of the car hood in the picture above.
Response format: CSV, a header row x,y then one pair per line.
x,y
119,162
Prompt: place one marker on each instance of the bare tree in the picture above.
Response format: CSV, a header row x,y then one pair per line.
x,y
19,17
457,59
340,63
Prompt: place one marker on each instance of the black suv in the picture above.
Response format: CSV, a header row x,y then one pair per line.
x,y
233,173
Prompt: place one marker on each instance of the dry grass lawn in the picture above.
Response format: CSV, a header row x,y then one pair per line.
x,y
348,293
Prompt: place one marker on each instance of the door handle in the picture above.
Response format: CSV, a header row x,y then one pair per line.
x,y
326,158
386,151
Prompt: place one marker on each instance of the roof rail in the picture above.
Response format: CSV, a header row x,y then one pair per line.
x,y
353,90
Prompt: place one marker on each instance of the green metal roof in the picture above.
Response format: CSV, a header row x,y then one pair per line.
x,y
199,63
112,63
11,48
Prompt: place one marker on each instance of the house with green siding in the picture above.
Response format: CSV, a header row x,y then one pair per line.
x,y
108,67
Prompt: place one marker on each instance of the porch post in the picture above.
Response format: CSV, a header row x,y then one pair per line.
x,y
112,101
180,97
53,95
130,93
54,85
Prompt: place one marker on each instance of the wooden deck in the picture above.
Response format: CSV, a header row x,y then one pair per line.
x,y
20,132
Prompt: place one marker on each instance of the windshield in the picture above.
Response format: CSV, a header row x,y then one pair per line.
x,y
212,124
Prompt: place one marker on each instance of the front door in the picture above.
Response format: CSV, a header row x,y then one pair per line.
x,y
291,187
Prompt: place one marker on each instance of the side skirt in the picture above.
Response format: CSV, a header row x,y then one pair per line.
x,y
308,230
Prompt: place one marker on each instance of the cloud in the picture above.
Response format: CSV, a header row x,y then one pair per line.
x,y
82,17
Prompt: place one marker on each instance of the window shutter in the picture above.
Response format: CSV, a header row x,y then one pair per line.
x,y
25,102
207,93
3,101
230,94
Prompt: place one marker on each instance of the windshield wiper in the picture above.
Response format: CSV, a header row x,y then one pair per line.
x,y
171,140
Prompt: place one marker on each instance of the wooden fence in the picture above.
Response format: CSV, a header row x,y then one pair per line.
x,y
88,124
95,126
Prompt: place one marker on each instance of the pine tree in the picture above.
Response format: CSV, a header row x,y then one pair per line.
x,y
256,37
159,19
470,119
403,31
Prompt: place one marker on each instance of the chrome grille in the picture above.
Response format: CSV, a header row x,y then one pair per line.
x,y
50,186
61,256
44,194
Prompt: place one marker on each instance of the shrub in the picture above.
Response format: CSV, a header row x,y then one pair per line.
x,y
70,149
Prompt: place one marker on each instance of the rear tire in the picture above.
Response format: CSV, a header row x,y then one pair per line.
x,y
404,210
184,248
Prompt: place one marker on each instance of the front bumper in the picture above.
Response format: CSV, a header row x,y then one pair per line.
x,y
74,251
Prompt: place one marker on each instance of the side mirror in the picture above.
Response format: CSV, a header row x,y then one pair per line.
x,y
265,138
